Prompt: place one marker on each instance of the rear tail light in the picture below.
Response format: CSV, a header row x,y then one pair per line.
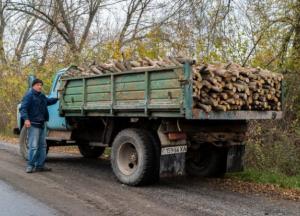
x,y
177,136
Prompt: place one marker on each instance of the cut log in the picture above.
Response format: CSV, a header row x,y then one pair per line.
x,y
206,108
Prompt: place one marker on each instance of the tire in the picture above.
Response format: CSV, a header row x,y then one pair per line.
x,y
90,151
23,143
157,153
133,158
207,161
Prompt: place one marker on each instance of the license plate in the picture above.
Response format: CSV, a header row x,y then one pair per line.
x,y
173,150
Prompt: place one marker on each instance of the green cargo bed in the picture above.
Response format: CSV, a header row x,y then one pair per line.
x,y
163,92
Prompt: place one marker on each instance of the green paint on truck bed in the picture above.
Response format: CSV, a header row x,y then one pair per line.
x,y
125,94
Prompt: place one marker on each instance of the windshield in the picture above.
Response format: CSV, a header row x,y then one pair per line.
x,y
56,84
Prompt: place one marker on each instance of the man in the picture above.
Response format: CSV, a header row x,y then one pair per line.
x,y
34,112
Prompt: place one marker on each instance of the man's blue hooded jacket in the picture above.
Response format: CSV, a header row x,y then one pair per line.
x,y
34,107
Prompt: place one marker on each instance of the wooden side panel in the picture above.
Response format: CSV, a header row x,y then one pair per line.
x,y
94,97
98,81
129,78
73,95
165,89
132,86
124,94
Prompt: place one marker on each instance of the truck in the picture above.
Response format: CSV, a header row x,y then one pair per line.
x,y
147,120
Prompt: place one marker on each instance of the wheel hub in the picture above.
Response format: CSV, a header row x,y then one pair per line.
x,y
127,158
133,157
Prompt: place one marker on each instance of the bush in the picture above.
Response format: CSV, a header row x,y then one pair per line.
x,y
13,86
275,145
272,149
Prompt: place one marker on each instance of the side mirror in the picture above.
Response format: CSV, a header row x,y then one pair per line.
x,y
30,80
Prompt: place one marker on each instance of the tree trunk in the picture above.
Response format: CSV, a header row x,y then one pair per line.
x,y
2,27
46,47
296,42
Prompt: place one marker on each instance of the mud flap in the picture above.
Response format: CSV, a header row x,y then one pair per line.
x,y
173,149
172,161
235,158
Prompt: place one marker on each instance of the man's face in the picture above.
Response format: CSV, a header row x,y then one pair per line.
x,y
38,87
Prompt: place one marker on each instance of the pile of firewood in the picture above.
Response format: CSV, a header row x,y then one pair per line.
x,y
216,87
233,87
116,66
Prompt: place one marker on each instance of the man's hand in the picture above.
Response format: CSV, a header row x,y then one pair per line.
x,y
27,123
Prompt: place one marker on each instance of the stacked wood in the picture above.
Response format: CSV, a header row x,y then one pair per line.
x,y
216,87
115,66
225,87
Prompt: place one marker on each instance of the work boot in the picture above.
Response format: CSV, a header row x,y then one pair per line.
x,y
43,169
29,169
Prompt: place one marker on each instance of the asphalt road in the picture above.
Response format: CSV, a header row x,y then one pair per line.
x,y
77,186
18,204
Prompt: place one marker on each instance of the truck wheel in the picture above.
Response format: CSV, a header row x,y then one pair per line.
x,y
23,143
90,151
133,157
157,153
207,161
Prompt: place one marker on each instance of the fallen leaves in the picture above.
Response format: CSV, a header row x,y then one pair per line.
x,y
8,139
269,190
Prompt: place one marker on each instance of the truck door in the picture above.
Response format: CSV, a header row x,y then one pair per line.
x,y
56,122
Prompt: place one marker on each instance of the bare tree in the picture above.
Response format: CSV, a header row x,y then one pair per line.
x,y
3,6
281,26
141,16
71,19
135,10
46,46
8,20
24,37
